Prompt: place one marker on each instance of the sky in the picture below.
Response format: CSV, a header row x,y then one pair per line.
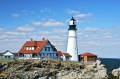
x,y
98,24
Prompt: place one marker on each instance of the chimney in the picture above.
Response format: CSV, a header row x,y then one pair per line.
x,y
31,39
43,39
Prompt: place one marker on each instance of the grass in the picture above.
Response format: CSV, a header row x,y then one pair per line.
x,y
5,61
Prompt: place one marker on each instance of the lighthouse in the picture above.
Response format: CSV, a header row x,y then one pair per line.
x,y
72,40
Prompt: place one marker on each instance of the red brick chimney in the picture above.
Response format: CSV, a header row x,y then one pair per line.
x,y
31,39
43,39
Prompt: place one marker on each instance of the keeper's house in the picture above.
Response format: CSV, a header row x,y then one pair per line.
x,y
39,50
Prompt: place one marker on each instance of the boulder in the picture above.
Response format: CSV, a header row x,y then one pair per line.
x,y
116,72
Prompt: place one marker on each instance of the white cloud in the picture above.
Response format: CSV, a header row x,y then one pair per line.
x,y
91,29
83,21
80,17
83,15
54,31
32,12
15,15
26,27
93,43
1,29
3,36
69,11
49,23
15,33
45,10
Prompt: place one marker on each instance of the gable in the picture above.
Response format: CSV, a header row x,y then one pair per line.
x,y
48,44
7,53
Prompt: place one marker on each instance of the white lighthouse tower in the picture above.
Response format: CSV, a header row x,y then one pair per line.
x,y
72,40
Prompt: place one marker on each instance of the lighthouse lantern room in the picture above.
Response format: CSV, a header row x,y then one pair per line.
x,y
72,40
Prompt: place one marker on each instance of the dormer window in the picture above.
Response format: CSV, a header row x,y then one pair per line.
x,y
30,48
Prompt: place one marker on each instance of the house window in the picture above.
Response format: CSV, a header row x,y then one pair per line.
x,y
32,48
8,56
94,58
47,48
89,58
5,56
27,48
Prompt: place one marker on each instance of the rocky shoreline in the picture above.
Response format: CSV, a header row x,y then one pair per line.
x,y
53,69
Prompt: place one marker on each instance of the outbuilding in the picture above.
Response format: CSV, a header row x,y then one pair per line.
x,y
7,55
88,57
66,57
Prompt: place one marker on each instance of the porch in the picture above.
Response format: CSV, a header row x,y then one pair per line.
x,y
39,56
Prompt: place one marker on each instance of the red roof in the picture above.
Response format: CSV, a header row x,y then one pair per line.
x,y
59,53
66,54
88,54
38,44
1,53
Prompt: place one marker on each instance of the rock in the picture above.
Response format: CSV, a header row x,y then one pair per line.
x,y
57,66
1,65
98,62
37,65
26,62
116,72
27,67
44,69
20,67
82,66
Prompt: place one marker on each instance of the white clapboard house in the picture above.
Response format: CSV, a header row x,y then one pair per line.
x,y
39,50
7,55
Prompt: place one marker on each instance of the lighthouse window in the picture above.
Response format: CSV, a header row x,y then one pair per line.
x,y
72,27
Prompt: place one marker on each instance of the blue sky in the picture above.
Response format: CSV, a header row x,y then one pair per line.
x,y
98,23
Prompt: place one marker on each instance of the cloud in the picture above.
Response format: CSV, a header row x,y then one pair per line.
x,y
69,11
26,27
45,10
83,21
3,36
15,15
1,29
91,29
93,43
49,23
54,31
80,17
83,15
15,33
78,14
